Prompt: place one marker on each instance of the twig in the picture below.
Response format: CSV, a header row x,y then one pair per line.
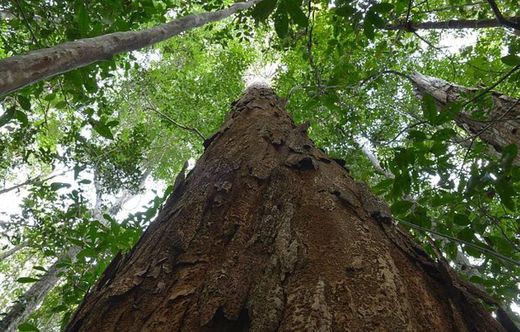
x,y
477,247
492,86
30,181
172,121
35,40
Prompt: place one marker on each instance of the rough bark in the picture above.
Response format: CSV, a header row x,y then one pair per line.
x,y
267,233
19,71
455,24
499,129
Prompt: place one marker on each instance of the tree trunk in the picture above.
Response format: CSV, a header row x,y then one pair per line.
x,y
502,124
267,233
19,71
34,296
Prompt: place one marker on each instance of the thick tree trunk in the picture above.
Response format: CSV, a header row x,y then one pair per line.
x,y
502,124
267,233
19,71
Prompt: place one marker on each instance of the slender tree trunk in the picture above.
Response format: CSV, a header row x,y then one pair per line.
x,y
267,233
31,300
453,24
19,71
502,124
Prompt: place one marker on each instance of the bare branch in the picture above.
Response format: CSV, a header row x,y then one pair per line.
x,y
501,19
12,251
30,181
453,24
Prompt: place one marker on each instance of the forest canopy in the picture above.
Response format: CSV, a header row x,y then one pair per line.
x,y
419,99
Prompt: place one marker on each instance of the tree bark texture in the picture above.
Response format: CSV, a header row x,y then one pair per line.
x,y
19,71
502,124
267,233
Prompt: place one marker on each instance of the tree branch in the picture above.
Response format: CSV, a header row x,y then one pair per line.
x,y
455,24
22,70
501,19
30,181
12,251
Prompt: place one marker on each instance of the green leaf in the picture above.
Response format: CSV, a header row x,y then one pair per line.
x,y
26,280
511,60
373,18
7,116
22,117
27,327
466,234
505,190
296,13
40,268
102,129
82,18
509,154
383,7
345,11
58,185
262,11
429,108
401,207
368,29
461,219
24,102
281,24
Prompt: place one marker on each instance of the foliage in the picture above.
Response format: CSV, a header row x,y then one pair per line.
x,y
107,126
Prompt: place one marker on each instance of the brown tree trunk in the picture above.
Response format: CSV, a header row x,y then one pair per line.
x,y
267,233
502,124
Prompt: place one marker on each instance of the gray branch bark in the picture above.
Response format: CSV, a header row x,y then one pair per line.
x,y
30,301
455,24
499,129
12,251
19,71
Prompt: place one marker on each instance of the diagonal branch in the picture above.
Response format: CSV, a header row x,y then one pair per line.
x,y
22,70
501,19
30,181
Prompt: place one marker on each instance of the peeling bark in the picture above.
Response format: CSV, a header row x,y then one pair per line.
x,y
499,129
22,70
267,233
